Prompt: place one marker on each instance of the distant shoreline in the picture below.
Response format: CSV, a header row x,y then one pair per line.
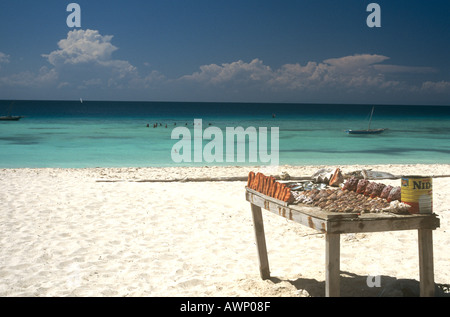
x,y
217,172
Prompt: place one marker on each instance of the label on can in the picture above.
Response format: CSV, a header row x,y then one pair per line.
x,y
417,191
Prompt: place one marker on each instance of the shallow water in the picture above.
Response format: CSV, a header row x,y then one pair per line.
x,y
115,134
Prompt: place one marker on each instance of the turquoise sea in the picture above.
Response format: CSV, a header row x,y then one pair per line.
x,y
74,134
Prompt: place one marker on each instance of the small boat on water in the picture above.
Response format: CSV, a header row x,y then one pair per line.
x,y
368,130
9,117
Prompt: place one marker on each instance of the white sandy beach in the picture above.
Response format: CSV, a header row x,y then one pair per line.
x,y
64,233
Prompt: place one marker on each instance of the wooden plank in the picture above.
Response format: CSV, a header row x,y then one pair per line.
x,y
426,267
332,265
286,212
260,242
378,224
319,213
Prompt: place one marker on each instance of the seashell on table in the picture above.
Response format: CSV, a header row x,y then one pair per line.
x,y
357,195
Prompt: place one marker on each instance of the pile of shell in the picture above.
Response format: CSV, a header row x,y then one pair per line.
x,y
373,189
354,199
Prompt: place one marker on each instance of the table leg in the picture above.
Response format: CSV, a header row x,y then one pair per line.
x,y
260,242
332,282
426,262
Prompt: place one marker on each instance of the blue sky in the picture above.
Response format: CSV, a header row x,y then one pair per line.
x,y
318,51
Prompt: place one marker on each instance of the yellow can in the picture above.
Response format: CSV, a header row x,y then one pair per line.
x,y
417,191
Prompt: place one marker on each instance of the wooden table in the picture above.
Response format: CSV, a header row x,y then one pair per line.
x,y
332,224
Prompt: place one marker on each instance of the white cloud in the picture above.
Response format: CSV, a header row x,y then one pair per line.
x,y
348,64
351,72
357,76
153,79
84,60
4,58
85,56
44,77
404,69
88,47
82,46
92,82
436,87
236,71
64,84
296,76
